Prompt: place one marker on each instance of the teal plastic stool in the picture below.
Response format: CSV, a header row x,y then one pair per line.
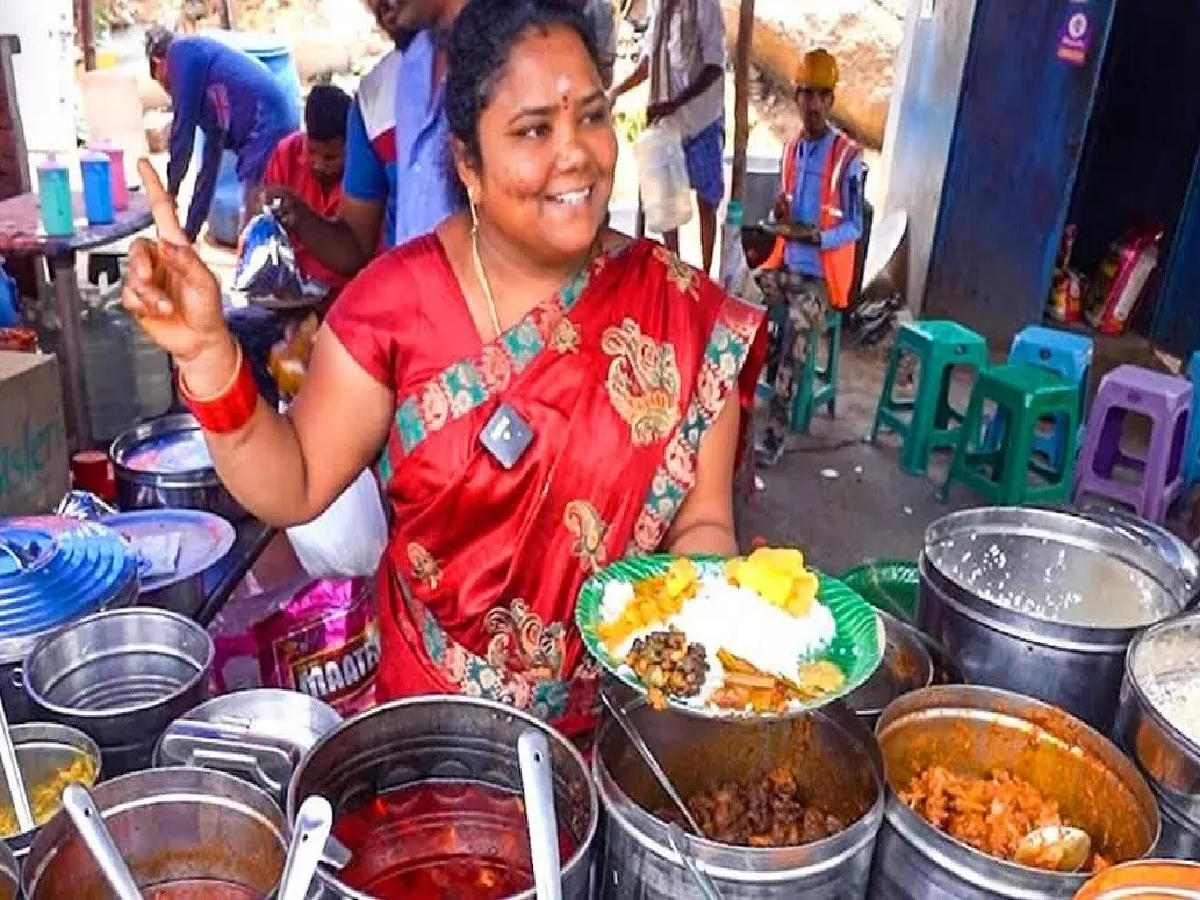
x,y
818,384
927,422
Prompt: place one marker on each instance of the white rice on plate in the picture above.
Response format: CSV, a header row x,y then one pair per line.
x,y
722,616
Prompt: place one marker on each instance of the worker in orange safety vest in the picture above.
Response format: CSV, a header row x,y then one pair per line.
x,y
819,215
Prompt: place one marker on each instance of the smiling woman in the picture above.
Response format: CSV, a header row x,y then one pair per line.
x,y
540,395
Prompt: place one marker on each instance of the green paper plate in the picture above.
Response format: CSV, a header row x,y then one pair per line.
x,y
888,584
857,647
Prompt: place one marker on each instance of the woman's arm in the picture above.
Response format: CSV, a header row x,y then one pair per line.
x,y
704,523
284,469
287,469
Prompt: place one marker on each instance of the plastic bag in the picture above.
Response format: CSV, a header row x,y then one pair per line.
x,y
321,640
266,265
663,178
347,540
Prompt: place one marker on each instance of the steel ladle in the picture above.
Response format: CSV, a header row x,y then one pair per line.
x,y
78,803
537,782
651,761
314,821
1074,846
679,843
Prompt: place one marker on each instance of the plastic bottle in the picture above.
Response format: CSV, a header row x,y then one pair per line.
x,y
116,159
97,188
54,196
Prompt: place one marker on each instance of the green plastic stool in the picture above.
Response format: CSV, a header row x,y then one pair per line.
x,y
818,384
927,422
1024,395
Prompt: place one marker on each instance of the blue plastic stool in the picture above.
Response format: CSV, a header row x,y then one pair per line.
x,y
1191,447
1066,354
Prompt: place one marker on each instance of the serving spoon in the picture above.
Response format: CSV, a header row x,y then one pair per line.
x,y
78,803
1073,846
314,821
533,755
651,761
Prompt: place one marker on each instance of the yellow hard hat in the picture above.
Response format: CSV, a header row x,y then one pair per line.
x,y
817,71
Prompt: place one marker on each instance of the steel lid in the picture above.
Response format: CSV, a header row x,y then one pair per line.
x,y
54,570
204,540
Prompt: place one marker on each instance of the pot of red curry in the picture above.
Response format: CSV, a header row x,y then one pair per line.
x,y
972,770
185,833
426,795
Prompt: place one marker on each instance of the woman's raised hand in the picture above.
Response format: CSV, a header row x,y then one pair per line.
x,y
173,295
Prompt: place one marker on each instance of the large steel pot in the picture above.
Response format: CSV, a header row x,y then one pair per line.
x,y
170,826
989,577
1146,879
833,757
974,731
185,481
121,677
446,738
44,751
1164,656
1157,538
906,666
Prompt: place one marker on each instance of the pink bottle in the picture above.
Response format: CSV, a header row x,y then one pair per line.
x,y
116,158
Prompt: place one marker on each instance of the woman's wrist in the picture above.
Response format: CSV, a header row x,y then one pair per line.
x,y
210,371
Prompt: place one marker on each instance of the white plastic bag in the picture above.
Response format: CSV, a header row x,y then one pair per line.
x,y
663,178
347,540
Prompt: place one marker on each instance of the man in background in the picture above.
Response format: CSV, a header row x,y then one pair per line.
x,y
819,212
684,59
232,98
394,187
307,167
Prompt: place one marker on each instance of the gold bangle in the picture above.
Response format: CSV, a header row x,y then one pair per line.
x,y
237,368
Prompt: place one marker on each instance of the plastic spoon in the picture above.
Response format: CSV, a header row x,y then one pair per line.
x,y
533,753
77,801
1073,846
314,821
651,761
679,843
12,775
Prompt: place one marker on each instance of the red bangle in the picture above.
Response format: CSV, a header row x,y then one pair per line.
x,y
232,408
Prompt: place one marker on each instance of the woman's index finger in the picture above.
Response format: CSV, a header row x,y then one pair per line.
x,y
162,206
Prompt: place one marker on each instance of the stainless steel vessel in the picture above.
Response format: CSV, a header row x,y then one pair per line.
x,y
835,762
1164,658
171,826
906,666
259,735
974,731
179,475
446,738
1042,603
45,750
121,677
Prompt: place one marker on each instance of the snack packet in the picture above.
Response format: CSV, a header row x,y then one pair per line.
x,y
321,639
266,264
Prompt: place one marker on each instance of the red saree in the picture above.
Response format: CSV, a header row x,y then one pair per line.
x,y
619,375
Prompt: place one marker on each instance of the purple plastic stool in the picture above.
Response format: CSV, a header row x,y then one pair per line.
x,y
1167,402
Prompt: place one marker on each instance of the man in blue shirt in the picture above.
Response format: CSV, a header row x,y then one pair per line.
x,y
819,213
395,186
232,98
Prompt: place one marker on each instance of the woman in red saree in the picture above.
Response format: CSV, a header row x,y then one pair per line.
x,y
627,372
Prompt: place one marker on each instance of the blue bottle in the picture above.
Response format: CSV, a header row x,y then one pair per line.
x,y
96,169
54,196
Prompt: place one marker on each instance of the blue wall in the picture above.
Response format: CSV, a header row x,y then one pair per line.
x,y
1020,129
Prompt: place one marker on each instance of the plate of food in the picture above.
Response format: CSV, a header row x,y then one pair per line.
x,y
760,635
